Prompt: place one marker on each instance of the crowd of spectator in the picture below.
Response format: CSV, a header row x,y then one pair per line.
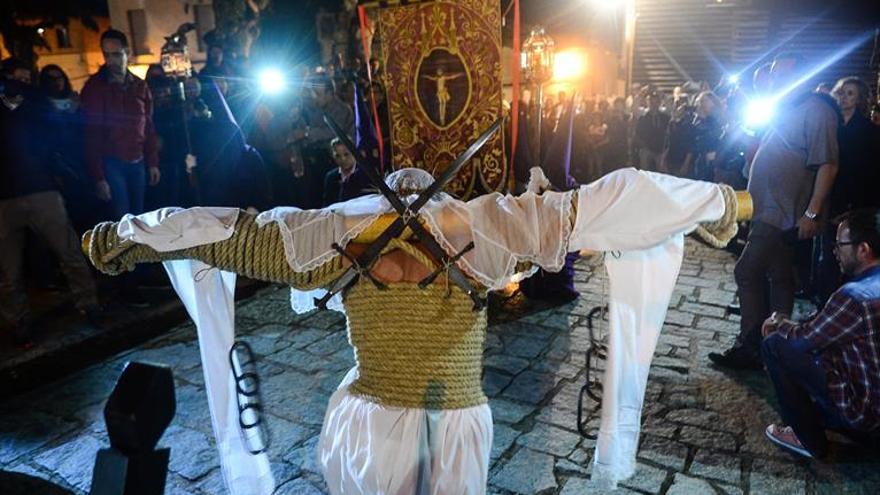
x,y
126,145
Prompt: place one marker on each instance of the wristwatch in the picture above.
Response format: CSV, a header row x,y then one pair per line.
x,y
809,214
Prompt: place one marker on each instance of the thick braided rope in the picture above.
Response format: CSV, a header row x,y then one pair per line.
x,y
411,250
252,251
720,232
416,348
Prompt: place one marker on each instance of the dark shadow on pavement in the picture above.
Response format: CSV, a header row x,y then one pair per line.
x,y
25,484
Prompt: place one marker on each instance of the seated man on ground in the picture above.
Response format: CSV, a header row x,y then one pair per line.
x,y
826,372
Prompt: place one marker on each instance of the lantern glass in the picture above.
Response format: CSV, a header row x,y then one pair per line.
x,y
176,62
538,50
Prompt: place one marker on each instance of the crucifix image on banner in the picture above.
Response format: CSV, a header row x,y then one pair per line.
x,y
443,84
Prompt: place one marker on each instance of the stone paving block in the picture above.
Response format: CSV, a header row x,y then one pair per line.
x,y
712,440
302,337
557,368
717,325
304,457
695,417
646,478
493,343
24,433
579,486
576,486
671,362
176,485
502,438
299,486
508,364
324,319
213,483
494,382
192,409
87,387
728,489
667,374
717,466
663,451
509,412
527,473
559,348
329,344
329,380
73,460
524,347
566,466
566,418
265,345
710,283
192,455
177,356
284,434
703,309
716,297
530,387
283,471
679,317
762,483
674,340
685,485
583,455
789,467
263,311
549,439
561,320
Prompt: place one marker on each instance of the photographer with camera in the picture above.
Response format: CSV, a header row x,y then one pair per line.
x,y
791,177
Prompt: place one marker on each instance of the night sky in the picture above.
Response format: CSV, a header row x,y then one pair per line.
x,y
289,28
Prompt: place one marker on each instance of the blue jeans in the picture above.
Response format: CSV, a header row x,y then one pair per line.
x,y
128,183
799,379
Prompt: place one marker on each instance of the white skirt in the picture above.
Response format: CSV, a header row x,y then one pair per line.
x,y
367,448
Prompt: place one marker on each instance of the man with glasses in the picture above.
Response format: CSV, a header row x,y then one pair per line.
x,y
826,371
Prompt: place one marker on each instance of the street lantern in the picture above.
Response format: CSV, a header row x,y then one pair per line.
x,y
175,57
538,53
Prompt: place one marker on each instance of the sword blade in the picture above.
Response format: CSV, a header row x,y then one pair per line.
x,y
455,166
374,178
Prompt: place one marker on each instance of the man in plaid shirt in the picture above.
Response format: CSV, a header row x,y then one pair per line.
x,y
826,372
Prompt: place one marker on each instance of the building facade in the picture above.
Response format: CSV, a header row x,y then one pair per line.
x,y
148,22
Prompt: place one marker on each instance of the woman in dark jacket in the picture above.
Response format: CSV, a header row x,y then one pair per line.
x,y
858,174
63,138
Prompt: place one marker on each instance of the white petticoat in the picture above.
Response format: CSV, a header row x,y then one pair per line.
x,y
368,448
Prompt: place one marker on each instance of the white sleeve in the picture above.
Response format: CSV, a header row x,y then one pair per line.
x,y
631,209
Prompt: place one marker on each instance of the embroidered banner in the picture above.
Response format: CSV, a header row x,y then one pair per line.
x,y
443,84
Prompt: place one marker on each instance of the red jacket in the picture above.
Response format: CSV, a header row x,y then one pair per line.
x,y
119,122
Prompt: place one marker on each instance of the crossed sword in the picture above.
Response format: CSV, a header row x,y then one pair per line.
x,y
407,216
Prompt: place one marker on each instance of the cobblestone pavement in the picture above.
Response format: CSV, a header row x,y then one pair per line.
x,y
702,429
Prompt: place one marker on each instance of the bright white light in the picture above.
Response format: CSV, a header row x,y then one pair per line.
x,y
569,65
733,78
608,5
272,81
759,113
40,31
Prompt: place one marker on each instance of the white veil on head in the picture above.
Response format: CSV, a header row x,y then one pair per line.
x,y
408,181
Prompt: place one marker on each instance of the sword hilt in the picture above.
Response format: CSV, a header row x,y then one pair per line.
x,y
361,270
445,265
